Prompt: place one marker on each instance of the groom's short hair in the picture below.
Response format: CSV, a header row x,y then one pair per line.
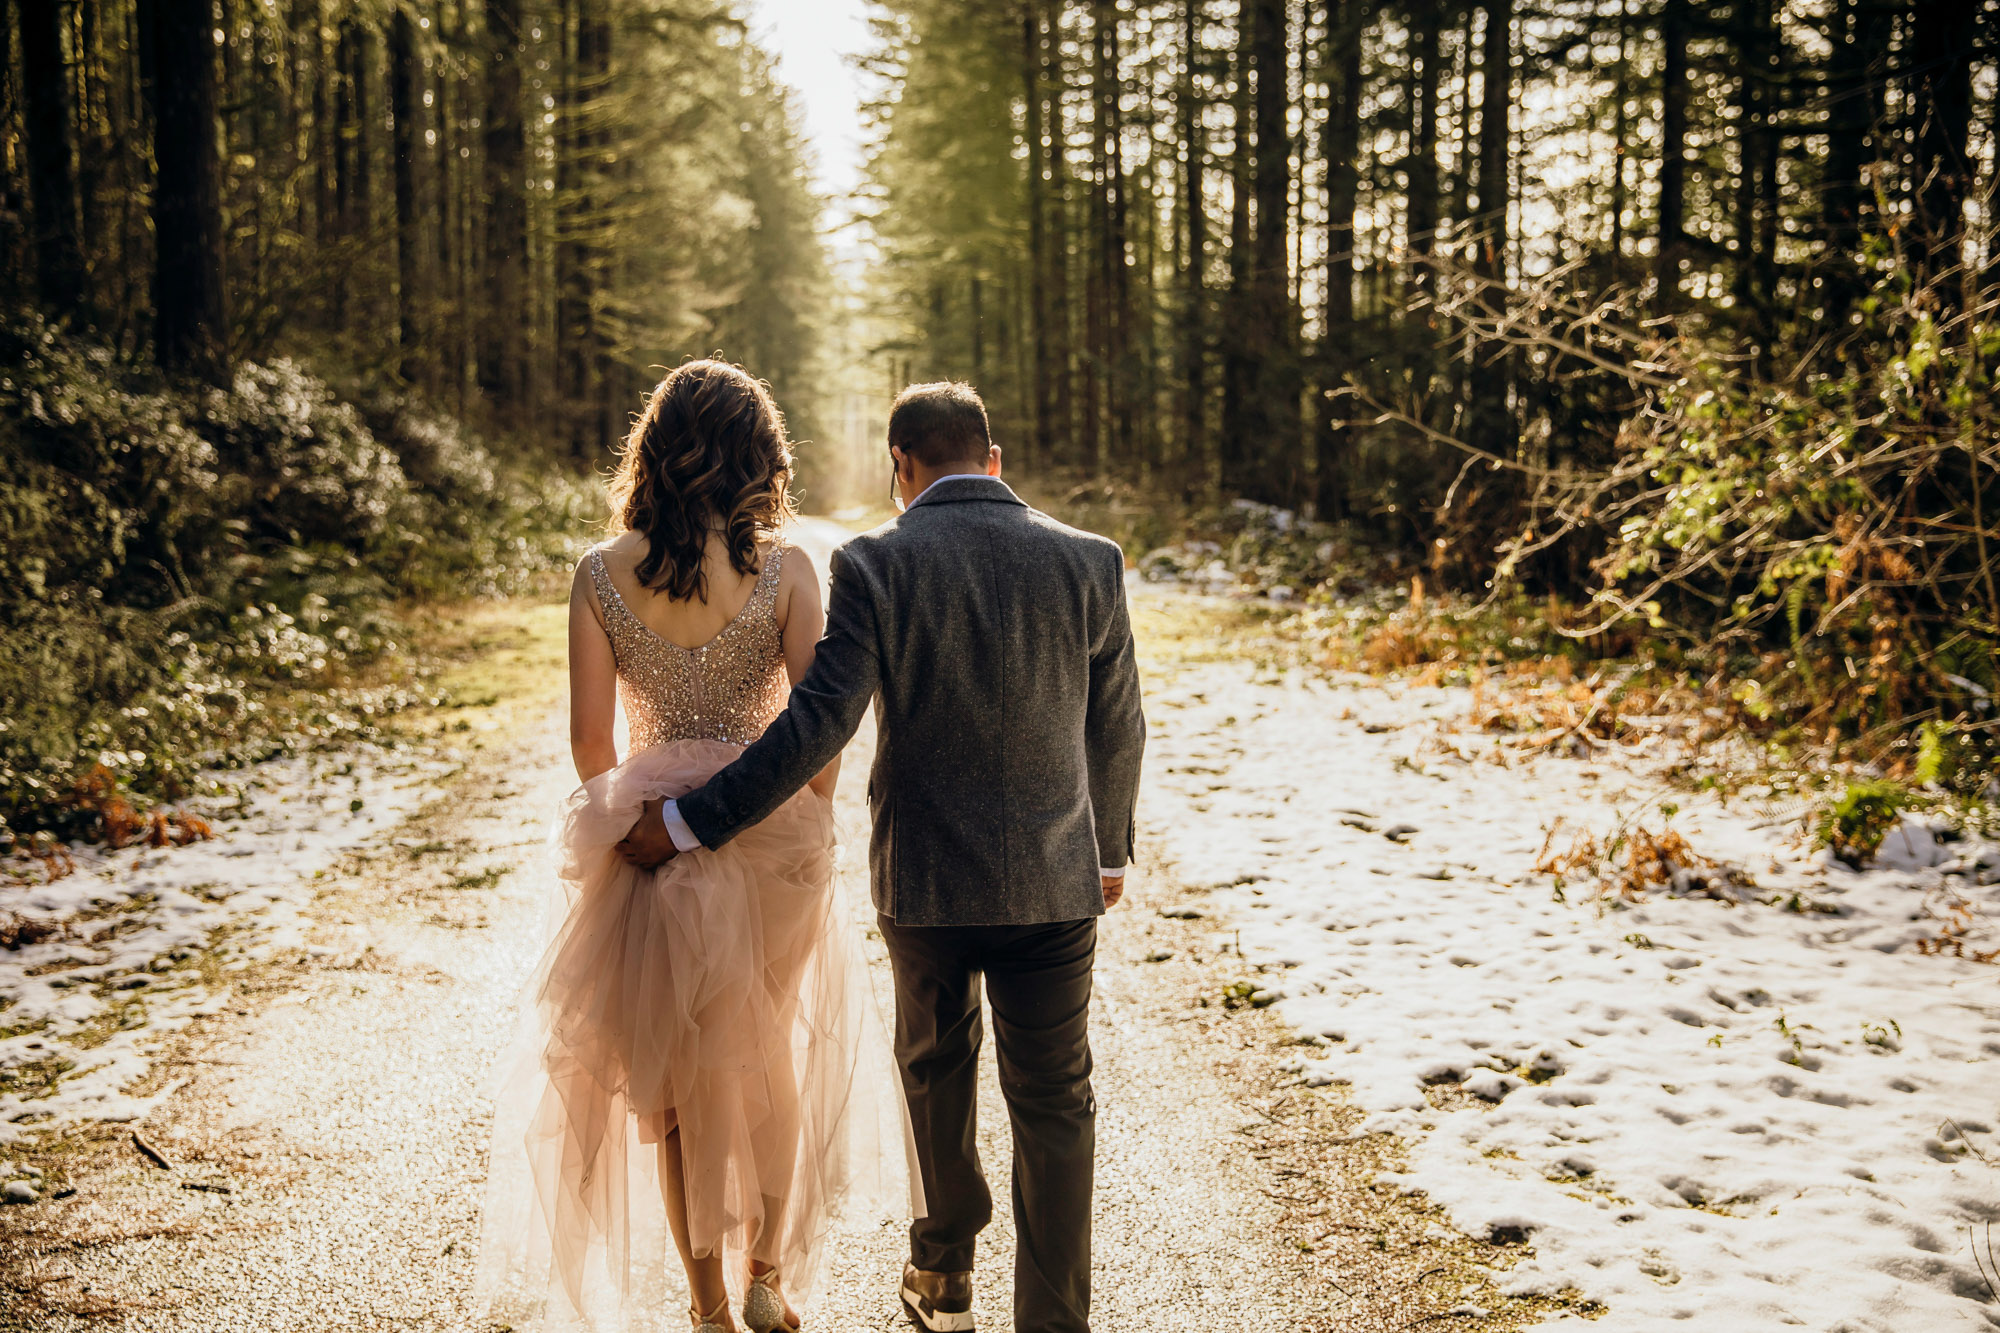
x,y
940,423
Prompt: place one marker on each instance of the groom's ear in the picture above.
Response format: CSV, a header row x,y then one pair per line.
x,y
993,460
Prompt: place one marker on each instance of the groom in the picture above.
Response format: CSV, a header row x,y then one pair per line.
x,y
995,645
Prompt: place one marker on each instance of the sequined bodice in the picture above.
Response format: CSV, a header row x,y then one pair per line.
x,y
728,689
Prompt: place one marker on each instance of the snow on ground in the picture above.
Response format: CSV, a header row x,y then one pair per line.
x,y
133,923
1725,1113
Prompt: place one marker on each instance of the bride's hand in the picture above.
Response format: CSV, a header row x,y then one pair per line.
x,y
648,844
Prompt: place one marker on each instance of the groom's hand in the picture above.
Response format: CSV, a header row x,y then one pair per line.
x,y
648,844
1114,889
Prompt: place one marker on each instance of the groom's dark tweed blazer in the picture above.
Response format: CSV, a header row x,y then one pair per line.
x,y
996,647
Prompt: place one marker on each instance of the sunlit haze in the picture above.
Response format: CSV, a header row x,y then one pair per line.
x,y
813,40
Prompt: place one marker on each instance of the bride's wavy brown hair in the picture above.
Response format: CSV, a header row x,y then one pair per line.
x,y
709,453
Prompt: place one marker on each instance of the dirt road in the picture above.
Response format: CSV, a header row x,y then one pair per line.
x,y
329,1143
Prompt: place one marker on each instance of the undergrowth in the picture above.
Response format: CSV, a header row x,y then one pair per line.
x,y
1349,605
192,578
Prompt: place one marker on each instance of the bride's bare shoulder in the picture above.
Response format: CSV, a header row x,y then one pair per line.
x,y
621,553
798,581
627,547
796,565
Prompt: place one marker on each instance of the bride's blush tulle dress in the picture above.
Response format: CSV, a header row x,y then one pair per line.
x,y
716,995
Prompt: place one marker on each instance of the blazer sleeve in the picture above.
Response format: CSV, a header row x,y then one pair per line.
x,y
1115,732
822,716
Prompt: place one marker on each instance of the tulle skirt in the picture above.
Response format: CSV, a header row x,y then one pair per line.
x,y
717,996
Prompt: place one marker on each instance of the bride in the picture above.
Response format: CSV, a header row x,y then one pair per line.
x,y
693,1035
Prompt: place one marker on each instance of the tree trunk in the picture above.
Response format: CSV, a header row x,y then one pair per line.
x,y
1194,257
1946,41
1063,353
255,228
447,314
138,161
1276,416
1620,138
413,267
1041,396
1674,92
13,262
503,371
92,149
345,131
581,356
1993,186
1114,273
353,184
1260,375
51,160
593,48
1095,369
1770,143
1238,363
1463,158
322,141
1421,218
1342,139
1852,122
190,330
976,325
1755,88
1491,418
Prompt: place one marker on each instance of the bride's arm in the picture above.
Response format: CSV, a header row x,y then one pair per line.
x,y
593,681
801,620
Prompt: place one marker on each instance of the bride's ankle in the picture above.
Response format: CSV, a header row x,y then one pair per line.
x,y
718,1317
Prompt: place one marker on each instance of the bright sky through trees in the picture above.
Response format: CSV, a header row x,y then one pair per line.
x,y
813,41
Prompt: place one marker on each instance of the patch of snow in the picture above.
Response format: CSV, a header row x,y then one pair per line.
x,y
1195,564
1912,845
94,999
1700,1111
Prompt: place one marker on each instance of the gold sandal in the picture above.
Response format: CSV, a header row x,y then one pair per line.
x,y
706,1323
763,1307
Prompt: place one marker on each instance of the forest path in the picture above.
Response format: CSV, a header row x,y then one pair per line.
x,y
342,1105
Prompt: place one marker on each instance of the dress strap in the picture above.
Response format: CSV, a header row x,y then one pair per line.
x,y
600,579
769,574
609,600
765,594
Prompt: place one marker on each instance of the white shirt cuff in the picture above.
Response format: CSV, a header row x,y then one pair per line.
x,y
1108,872
677,829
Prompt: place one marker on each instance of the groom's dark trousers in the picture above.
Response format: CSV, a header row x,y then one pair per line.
x,y
1038,986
